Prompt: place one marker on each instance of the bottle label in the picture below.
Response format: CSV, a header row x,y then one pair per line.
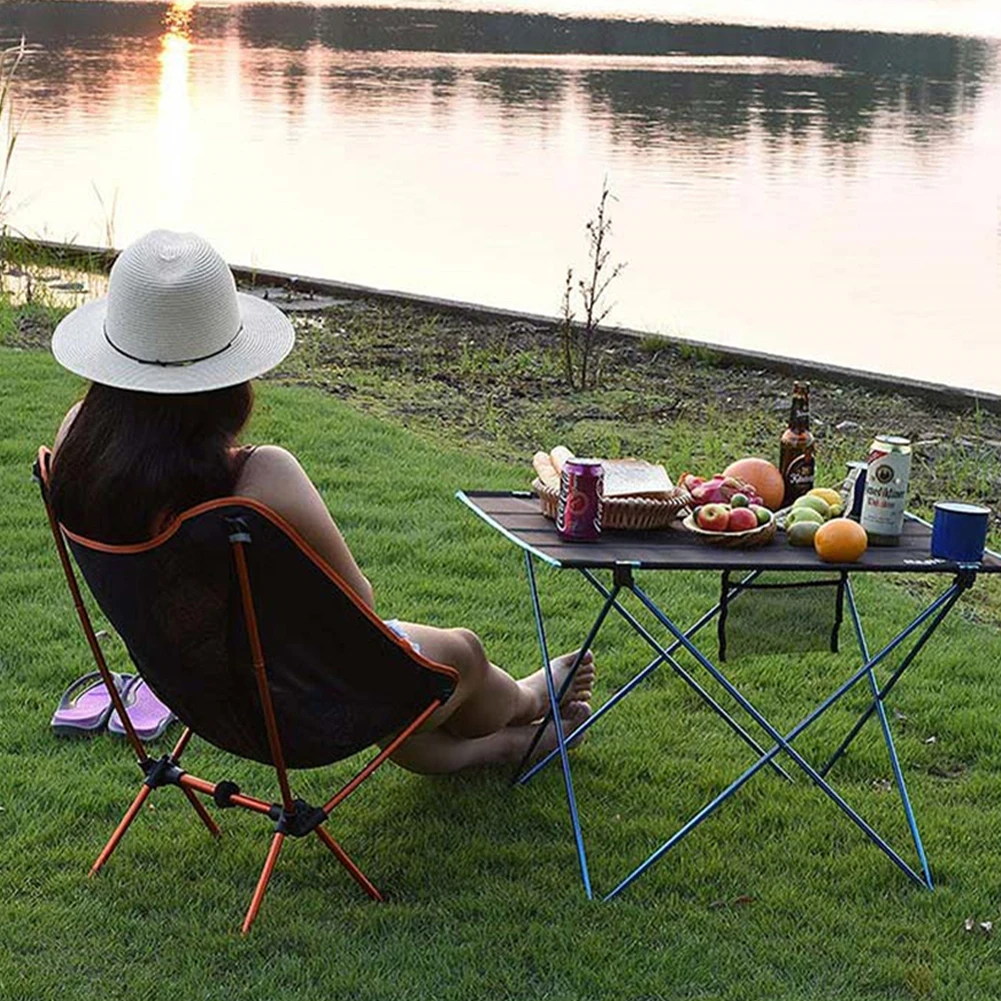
x,y
799,474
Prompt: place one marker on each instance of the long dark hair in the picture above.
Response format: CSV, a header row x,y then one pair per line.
x,y
131,460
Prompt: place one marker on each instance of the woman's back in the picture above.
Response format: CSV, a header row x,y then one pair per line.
x,y
126,464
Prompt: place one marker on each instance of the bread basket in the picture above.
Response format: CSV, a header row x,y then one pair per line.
x,y
635,514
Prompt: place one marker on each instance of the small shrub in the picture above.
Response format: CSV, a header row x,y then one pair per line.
x,y
579,339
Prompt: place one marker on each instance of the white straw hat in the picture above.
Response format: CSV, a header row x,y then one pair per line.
x,y
172,322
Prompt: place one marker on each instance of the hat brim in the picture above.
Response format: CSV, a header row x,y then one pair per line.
x,y
265,339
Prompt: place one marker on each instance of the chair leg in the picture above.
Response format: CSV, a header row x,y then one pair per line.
x,y
120,830
203,814
342,856
262,883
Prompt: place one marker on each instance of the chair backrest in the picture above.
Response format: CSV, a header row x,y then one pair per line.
x,y
339,679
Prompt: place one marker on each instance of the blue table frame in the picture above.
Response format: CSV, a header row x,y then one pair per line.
x,y
516,516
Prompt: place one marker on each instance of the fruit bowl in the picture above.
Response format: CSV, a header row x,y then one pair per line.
x,y
751,537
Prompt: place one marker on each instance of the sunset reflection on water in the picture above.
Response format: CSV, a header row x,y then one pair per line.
x,y
174,111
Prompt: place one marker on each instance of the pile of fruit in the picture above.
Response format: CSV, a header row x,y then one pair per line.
x,y
815,519
739,515
739,499
809,512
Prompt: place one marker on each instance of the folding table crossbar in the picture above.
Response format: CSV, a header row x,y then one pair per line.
x,y
516,516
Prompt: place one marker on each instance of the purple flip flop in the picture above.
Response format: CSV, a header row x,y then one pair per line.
x,y
86,705
149,715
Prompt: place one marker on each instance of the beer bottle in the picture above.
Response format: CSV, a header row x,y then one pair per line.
x,y
796,452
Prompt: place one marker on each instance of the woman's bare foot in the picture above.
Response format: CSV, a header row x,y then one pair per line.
x,y
580,689
438,752
571,717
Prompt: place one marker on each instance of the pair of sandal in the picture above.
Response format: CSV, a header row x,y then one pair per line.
x,y
86,708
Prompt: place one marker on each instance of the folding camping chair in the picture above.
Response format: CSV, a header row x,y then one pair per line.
x,y
259,648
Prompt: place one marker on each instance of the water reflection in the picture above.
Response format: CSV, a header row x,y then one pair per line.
x,y
705,79
174,108
417,148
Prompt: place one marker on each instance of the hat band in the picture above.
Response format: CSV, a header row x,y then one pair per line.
x,y
169,364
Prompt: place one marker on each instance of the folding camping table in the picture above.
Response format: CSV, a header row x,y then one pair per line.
x,y
610,565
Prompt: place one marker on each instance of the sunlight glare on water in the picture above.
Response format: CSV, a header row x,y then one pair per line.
x,y
174,109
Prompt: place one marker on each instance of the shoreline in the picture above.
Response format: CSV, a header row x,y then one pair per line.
x,y
953,397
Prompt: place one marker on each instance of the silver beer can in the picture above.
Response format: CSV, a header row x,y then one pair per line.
x,y
887,477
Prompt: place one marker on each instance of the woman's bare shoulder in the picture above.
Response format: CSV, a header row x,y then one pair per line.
x,y
273,476
267,472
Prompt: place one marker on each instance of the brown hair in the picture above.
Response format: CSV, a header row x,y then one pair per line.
x,y
131,461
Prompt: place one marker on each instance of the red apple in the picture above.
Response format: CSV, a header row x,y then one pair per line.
x,y
714,517
741,519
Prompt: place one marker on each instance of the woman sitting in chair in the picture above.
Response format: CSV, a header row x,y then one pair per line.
x,y
170,353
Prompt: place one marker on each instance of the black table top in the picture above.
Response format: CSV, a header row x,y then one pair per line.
x,y
517,516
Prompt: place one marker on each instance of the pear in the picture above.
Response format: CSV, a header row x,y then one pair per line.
x,y
812,501
828,494
804,513
802,533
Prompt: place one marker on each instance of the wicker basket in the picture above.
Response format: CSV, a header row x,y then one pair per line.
x,y
733,540
634,514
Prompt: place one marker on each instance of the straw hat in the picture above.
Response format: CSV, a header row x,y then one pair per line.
x,y
172,322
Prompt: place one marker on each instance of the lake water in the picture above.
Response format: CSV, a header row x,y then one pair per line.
x,y
820,180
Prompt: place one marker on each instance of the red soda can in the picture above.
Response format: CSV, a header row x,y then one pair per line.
x,y
578,513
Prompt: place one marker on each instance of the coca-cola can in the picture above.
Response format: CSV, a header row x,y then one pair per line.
x,y
578,512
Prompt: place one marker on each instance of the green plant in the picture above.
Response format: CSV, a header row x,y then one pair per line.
x,y
698,353
108,213
10,60
579,339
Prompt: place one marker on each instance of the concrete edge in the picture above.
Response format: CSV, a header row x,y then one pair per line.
x,y
953,397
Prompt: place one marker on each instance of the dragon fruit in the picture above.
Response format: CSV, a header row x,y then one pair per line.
x,y
718,490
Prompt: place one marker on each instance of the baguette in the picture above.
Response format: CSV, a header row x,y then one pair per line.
x,y
560,455
546,470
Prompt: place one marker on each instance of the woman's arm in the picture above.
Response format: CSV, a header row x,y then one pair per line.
x,y
274,477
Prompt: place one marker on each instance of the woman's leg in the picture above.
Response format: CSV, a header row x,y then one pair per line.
x,y
437,752
487,698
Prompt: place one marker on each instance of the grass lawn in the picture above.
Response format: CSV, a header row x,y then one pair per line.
x,y
777,896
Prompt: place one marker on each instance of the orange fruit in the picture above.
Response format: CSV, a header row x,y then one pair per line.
x,y
761,475
840,540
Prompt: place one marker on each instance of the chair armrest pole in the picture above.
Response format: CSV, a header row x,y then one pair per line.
x,y
380,757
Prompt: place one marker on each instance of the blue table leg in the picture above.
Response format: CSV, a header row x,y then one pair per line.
x,y
784,743
952,595
521,779
561,742
884,724
664,655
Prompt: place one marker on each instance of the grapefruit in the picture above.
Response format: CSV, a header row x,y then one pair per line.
x,y
840,540
763,476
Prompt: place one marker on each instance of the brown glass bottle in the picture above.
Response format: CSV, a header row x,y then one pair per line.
x,y
796,451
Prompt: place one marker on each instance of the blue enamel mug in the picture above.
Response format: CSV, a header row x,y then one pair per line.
x,y
959,532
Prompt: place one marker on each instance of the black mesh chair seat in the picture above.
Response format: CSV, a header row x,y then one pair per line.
x,y
339,679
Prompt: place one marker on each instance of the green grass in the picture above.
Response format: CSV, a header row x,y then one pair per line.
x,y
484,897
